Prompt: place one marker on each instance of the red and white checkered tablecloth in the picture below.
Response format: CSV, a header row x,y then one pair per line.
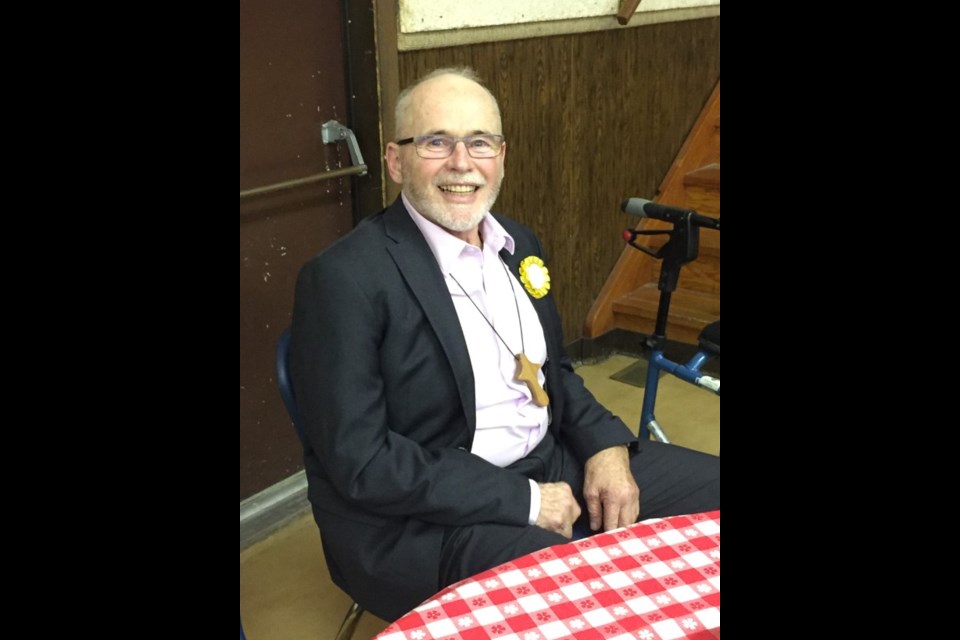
x,y
655,580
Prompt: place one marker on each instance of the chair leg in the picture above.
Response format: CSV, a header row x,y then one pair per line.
x,y
350,622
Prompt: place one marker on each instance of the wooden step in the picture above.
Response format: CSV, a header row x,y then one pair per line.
x,y
703,200
706,176
690,312
703,274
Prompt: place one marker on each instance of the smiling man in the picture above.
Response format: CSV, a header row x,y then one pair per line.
x,y
454,185
446,431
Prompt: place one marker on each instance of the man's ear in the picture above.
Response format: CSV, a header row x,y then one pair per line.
x,y
394,163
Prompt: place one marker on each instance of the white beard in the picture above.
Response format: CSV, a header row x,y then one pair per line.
x,y
454,217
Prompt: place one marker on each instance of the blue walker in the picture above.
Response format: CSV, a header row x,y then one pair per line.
x,y
682,247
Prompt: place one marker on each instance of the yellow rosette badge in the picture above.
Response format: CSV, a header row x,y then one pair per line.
x,y
534,276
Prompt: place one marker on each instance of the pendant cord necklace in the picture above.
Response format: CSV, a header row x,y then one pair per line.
x,y
526,370
523,347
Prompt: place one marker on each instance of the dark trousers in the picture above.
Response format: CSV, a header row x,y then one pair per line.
x,y
672,480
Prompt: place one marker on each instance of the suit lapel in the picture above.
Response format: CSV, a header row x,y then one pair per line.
x,y
552,333
416,263
540,305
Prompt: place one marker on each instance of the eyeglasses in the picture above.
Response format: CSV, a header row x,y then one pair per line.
x,y
487,145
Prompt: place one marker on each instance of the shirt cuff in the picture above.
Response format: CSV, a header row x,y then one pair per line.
x,y
534,502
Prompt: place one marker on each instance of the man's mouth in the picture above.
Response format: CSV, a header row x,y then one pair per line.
x,y
458,188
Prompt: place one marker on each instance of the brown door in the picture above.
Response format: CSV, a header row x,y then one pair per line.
x,y
291,81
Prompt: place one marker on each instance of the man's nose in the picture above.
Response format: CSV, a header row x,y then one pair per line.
x,y
460,158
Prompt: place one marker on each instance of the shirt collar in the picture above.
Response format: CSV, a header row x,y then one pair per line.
x,y
447,248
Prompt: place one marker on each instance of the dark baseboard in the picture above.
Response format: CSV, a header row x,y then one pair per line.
x,y
590,350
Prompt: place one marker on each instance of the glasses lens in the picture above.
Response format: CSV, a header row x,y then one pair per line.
x,y
485,146
435,146
480,146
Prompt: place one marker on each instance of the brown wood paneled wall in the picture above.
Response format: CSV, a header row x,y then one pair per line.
x,y
590,119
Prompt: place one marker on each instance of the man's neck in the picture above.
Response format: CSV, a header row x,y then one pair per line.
x,y
471,236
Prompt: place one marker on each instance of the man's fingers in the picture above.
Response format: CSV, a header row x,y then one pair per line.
x,y
573,515
633,513
595,509
616,509
611,515
558,508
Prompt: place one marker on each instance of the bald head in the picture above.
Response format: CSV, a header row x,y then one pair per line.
x,y
446,82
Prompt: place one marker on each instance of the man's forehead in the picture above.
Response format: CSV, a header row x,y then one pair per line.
x,y
469,109
452,90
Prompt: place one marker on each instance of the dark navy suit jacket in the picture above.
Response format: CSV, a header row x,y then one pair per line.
x,y
386,395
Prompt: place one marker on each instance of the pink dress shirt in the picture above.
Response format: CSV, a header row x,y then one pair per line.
x,y
509,424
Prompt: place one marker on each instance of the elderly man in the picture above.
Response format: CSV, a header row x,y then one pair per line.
x,y
447,432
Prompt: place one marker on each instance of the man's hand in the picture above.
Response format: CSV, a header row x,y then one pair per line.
x,y
612,495
558,508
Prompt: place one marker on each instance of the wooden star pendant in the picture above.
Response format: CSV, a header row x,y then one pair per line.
x,y
527,373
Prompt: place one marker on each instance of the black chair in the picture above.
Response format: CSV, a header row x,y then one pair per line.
x,y
285,384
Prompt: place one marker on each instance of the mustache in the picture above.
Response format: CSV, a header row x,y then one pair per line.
x,y
476,180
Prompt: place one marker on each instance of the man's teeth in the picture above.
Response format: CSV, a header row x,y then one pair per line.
x,y
459,188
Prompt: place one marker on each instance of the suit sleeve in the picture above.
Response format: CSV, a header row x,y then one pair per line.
x,y
586,425
339,324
